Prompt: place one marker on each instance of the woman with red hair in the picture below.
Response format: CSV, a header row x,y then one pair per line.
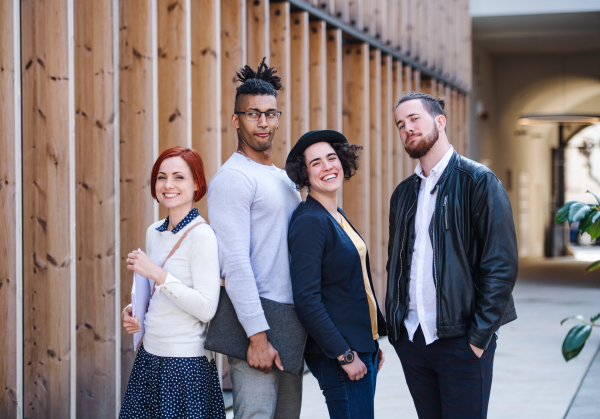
x,y
173,375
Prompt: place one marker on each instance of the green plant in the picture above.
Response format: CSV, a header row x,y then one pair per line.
x,y
589,221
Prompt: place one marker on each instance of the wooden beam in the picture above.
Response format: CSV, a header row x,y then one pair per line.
x,y
342,10
465,126
356,129
405,28
317,75
11,214
375,178
300,107
47,210
398,150
95,195
455,132
392,34
258,31
206,87
465,46
356,13
233,57
334,88
281,60
173,62
407,83
416,80
387,159
429,86
379,26
138,149
413,29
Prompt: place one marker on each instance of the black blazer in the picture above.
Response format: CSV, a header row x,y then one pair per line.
x,y
327,280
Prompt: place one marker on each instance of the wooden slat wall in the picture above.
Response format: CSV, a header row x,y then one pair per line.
x,y
233,57
206,120
47,209
138,150
300,107
317,37
281,60
11,275
355,58
387,162
375,150
96,291
138,77
257,13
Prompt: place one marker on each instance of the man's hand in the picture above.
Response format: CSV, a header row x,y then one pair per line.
x,y
261,354
477,351
356,369
380,359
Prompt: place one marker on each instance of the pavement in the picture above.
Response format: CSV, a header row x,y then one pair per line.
x,y
531,378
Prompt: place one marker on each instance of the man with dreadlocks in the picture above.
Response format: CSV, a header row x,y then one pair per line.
x,y
250,202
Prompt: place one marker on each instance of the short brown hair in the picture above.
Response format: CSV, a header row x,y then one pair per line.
x,y
433,106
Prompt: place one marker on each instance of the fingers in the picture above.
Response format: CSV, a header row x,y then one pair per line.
x,y
278,361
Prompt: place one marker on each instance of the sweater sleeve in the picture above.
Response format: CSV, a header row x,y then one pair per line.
x,y
202,298
230,197
306,240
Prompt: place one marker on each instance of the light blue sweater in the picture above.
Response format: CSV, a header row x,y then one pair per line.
x,y
249,208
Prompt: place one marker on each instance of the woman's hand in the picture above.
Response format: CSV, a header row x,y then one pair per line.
x,y
131,324
140,263
356,369
380,359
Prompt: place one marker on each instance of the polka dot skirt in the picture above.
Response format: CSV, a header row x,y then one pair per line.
x,y
169,387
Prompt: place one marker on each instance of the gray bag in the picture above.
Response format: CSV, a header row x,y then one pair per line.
x,y
227,336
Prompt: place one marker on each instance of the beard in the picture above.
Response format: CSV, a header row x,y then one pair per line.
x,y
423,145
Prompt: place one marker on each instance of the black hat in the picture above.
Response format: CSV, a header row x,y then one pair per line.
x,y
313,137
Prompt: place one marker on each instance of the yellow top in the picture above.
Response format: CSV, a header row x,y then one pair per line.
x,y
362,251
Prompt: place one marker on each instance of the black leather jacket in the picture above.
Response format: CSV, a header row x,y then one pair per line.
x,y
475,259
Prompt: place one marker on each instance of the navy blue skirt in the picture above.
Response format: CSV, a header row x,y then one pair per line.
x,y
171,387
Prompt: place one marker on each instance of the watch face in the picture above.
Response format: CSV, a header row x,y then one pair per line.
x,y
349,357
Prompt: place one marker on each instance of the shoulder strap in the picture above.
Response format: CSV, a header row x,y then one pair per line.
x,y
181,240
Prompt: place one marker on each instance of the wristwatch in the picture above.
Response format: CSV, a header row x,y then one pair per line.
x,y
348,357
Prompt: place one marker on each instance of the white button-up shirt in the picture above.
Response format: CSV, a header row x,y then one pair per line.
x,y
422,307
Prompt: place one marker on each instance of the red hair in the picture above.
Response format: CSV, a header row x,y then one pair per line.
x,y
192,158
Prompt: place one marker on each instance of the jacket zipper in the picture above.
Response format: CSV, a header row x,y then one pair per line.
x,y
400,257
446,211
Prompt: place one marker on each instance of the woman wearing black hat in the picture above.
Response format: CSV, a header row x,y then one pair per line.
x,y
331,278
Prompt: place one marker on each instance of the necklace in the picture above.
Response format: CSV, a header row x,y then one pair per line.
x,y
242,153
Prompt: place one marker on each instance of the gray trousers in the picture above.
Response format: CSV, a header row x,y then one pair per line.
x,y
256,395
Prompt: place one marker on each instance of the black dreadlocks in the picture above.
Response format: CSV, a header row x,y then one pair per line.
x,y
261,82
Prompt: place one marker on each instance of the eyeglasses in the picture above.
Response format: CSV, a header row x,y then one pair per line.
x,y
255,115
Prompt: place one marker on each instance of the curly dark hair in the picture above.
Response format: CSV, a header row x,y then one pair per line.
x,y
349,155
263,81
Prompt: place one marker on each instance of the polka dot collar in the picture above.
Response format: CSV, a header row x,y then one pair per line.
x,y
188,218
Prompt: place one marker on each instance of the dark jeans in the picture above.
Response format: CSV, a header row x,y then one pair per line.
x,y
446,379
345,398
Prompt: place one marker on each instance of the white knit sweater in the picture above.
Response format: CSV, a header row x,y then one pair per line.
x,y
181,308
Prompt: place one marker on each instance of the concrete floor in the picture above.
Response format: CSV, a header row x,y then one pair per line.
x,y
531,379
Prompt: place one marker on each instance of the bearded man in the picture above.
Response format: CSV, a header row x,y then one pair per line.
x,y
452,265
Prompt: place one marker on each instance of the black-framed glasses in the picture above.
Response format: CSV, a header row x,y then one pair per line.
x,y
255,115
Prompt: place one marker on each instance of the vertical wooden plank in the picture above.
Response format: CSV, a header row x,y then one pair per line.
x,y
317,75
334,82
334,88
465,125
356,129
300,107
356,13
416,80
398,150
173,62
281,60
11,216
327,6
233,57
369,17
423,19
387,159
448,112
258,31
375,163
95,193
465,46
441,22
392,34
451,30
413,28
429,86
137,149
342,10
455,132
379,26
404,33
206,83
407,81
47,246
